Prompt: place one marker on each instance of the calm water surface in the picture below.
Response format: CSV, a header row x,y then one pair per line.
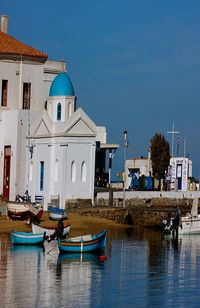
x,y
143,269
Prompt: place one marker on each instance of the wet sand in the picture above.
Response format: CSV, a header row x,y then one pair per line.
x,y
79,224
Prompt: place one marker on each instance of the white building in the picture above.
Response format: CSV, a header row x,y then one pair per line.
x,y
46,145
180,171
138,166
63,143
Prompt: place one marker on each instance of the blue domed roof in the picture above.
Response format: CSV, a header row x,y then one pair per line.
x,y
61,85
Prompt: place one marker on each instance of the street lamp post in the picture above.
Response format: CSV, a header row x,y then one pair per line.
x,y
125,148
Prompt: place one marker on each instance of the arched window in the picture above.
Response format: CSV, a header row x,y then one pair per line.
x,y
73,171
83,172
69,109
59,112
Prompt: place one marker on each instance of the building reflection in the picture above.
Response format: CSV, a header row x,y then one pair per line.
x,y
3,256
142,267
30,277
171,262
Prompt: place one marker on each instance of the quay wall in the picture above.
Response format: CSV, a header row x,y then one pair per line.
x,y
147,209
150,194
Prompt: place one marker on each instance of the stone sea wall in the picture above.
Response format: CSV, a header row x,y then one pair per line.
x,y
141,212
147,209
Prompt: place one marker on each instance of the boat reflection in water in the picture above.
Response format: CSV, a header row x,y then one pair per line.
x,y
184,251
65,259
190,246
81,270
47,275
20,249
142,267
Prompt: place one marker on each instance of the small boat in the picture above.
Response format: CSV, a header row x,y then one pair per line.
x,y
27,238
188,224
24,211
84,243
56,214
36,228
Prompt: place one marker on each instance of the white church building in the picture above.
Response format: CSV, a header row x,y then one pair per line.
x,y
47,144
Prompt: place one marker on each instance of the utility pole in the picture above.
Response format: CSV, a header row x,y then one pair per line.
x,y
125,149
172,132
111,155
184,148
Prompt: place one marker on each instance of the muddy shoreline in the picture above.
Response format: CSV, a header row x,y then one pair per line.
x,y
80,224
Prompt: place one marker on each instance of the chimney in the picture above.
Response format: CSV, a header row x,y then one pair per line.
x,y
4,23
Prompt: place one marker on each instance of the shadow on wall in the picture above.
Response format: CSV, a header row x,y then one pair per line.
x,y
128,220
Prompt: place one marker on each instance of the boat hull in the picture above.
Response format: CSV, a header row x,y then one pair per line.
x,y
56,213
24,211
49,230
189,225
26,238
86,243
55,216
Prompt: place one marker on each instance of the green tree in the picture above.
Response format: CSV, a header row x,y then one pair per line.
x,y
160,156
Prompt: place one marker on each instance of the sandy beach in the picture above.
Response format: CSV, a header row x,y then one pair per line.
x,y
79,224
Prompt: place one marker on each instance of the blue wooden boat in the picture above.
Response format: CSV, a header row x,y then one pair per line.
x,y
56,214
27,238
84,243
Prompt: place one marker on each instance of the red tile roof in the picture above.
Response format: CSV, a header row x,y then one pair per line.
x,y
11,47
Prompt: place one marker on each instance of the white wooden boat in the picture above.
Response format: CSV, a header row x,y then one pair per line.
x,y
188,224
24,211
49,230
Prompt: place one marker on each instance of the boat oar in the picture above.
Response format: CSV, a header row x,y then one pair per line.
x,y
51,249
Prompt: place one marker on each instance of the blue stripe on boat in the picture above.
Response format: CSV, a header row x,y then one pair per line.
x,y
26,238
56,210
97,241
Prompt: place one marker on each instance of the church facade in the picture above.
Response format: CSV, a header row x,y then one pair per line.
x,y
47,144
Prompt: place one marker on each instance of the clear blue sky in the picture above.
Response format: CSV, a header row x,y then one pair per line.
x,y
134,64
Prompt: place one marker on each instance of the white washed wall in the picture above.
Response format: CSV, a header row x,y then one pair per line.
x,y
150,194
14,128
64,101
1,154
14,124
16,74
9,137
41,153
80,152
52,150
